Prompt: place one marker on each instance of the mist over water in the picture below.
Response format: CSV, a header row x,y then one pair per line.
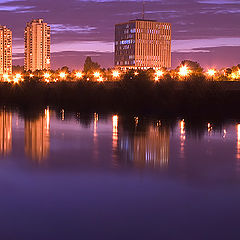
x,y
70,175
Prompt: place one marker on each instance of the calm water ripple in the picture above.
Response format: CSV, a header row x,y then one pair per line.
x,y
92,176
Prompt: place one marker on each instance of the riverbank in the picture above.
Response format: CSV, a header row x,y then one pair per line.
x,y
166,97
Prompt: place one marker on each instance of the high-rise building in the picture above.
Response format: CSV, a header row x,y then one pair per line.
x,y
5,51
143,44
37,46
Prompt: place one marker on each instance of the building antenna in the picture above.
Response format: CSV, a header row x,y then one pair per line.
x,y
143,9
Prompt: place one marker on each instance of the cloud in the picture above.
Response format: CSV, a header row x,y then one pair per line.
x,y
195,45
63,28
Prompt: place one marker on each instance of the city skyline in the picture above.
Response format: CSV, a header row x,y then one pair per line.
x,y
202,30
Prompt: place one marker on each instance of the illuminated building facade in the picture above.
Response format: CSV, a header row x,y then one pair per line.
x,y
143,44
37,137
5,51
37,46
5,132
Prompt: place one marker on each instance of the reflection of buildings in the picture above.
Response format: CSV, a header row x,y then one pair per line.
x,y
182,138
5,132
37,137
148,150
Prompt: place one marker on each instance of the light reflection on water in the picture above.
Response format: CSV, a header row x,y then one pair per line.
x,y
80,166
146,144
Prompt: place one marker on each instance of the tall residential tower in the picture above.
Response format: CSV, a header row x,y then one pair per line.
x,y
143,44
37,46
5,51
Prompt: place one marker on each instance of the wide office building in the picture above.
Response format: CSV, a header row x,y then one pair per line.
x,y
37,46
143,44
5,51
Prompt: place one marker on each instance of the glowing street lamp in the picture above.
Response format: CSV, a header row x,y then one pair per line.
x,y
31,75
184,71
156,79
47,75
211,72
78,75
97,75
136,73
159,73
62,75
116,74
18,76
5,77
100,79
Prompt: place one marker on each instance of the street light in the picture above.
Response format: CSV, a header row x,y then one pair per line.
x,y
184,71
47,75
211,72
100,79
78,75
159,73
5,77
97,75
63,75
116,74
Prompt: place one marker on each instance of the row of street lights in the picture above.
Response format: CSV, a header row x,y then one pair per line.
x,y
184,72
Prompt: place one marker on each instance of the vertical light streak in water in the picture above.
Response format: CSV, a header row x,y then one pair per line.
x,y
95,136
210,129
182,138
114,138
238,144
5,133
47,117
63,115
37,137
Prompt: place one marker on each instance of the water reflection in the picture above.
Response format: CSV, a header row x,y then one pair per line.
x,y
182,138
149,149
37,137
5,132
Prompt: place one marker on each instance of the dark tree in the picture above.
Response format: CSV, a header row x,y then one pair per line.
x,y
194,66
18,69
90,66
65,69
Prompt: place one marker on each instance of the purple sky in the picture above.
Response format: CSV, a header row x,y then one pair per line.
x,y
207,31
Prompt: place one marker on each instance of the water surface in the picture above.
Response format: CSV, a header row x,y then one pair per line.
x,y
92,176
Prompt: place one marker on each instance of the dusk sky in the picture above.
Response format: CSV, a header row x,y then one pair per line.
x,y
206,31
